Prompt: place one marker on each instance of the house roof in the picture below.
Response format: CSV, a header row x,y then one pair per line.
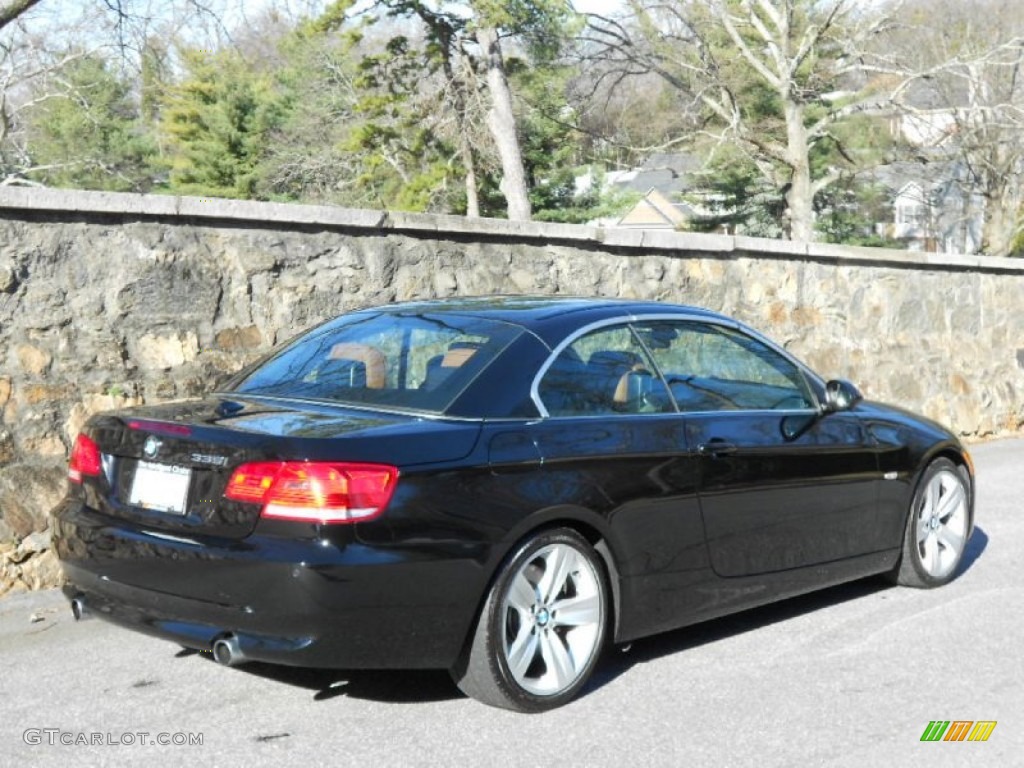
x,y
667,172
657,211
933,174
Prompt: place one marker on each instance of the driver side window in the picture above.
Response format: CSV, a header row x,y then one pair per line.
x,y
713,368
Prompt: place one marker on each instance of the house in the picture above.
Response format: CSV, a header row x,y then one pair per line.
x,y
933,207
662,178
657,211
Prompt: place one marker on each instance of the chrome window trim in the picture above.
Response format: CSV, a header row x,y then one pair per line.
x,y
737,412
628,319
335,404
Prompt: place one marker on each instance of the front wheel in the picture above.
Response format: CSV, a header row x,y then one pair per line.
x,y
936,534
541,629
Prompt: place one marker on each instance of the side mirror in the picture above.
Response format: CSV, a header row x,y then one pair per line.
x,y
841,395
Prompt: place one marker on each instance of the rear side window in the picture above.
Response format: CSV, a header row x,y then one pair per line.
x,y
416,362
605,372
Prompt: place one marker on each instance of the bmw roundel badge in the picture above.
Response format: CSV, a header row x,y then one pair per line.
x,y
151,447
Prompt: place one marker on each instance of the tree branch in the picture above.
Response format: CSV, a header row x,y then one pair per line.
x,y
759,66
13,10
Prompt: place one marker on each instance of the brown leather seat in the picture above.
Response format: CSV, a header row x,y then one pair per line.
x,y
372,359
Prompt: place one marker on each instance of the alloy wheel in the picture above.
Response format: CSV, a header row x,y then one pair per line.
x,y
552,615
941,521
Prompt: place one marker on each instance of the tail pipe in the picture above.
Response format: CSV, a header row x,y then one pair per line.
x,y
79,610
226,651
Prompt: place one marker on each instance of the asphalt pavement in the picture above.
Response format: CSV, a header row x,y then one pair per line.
x,y
851,676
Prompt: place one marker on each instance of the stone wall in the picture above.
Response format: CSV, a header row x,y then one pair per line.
x,y
108,300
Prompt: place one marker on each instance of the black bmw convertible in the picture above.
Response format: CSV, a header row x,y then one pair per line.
x,y
500,487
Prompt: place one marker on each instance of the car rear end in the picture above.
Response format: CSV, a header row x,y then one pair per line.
x,y
215,536
301,517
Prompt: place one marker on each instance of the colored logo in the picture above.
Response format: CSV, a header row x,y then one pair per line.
x,y
151,447
958,730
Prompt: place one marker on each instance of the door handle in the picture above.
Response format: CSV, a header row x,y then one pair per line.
x,y
716,448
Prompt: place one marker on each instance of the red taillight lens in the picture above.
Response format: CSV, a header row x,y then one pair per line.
x,y
85,459
322,492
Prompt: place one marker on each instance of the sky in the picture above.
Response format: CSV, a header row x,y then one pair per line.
x,y
69,10
603,7
71,15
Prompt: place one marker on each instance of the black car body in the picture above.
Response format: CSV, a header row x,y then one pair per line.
x,y
687,494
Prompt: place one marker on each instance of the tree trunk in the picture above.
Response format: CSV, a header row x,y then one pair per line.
x,y
502,123
800,197
465,145
472,192
1000,226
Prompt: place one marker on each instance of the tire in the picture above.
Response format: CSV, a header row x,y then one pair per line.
x,y
935,537
542,627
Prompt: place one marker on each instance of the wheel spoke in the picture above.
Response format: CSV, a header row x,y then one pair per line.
x,y
576,611
931,494
522,651
556,657
522,595
930,557
951,502
923,530
557,567
951,540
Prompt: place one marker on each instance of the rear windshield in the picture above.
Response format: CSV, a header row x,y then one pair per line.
x,y
408,361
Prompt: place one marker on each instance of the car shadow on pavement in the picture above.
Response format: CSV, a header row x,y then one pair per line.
x,y
416,686
425,686
675,641
977,545
619,660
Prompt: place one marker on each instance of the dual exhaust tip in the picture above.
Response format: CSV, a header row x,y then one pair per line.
x,y
226,649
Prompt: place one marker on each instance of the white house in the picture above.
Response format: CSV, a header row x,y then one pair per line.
x,y
933,211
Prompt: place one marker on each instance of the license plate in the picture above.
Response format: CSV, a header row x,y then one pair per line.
x,y
163,487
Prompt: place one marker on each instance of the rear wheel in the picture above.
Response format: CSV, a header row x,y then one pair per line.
x,y
541,629
936,535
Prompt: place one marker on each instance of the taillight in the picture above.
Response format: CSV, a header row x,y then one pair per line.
x,y
160,427
85,459
322,492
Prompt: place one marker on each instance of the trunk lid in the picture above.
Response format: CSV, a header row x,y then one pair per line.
x,y
166,466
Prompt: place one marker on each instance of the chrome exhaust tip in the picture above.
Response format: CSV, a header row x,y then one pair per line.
x,y
78,609
227,652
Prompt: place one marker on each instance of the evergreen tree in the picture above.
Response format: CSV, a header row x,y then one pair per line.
x,y
216,121
88,134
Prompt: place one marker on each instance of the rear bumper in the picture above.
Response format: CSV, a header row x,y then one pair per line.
x,y
302,602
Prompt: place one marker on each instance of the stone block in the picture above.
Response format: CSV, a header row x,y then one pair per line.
x,y
165,351
232,339
33,360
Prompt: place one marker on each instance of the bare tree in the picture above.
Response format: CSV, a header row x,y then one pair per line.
x,y
468,43
772,77
966,109
30,74
38,39
501,120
